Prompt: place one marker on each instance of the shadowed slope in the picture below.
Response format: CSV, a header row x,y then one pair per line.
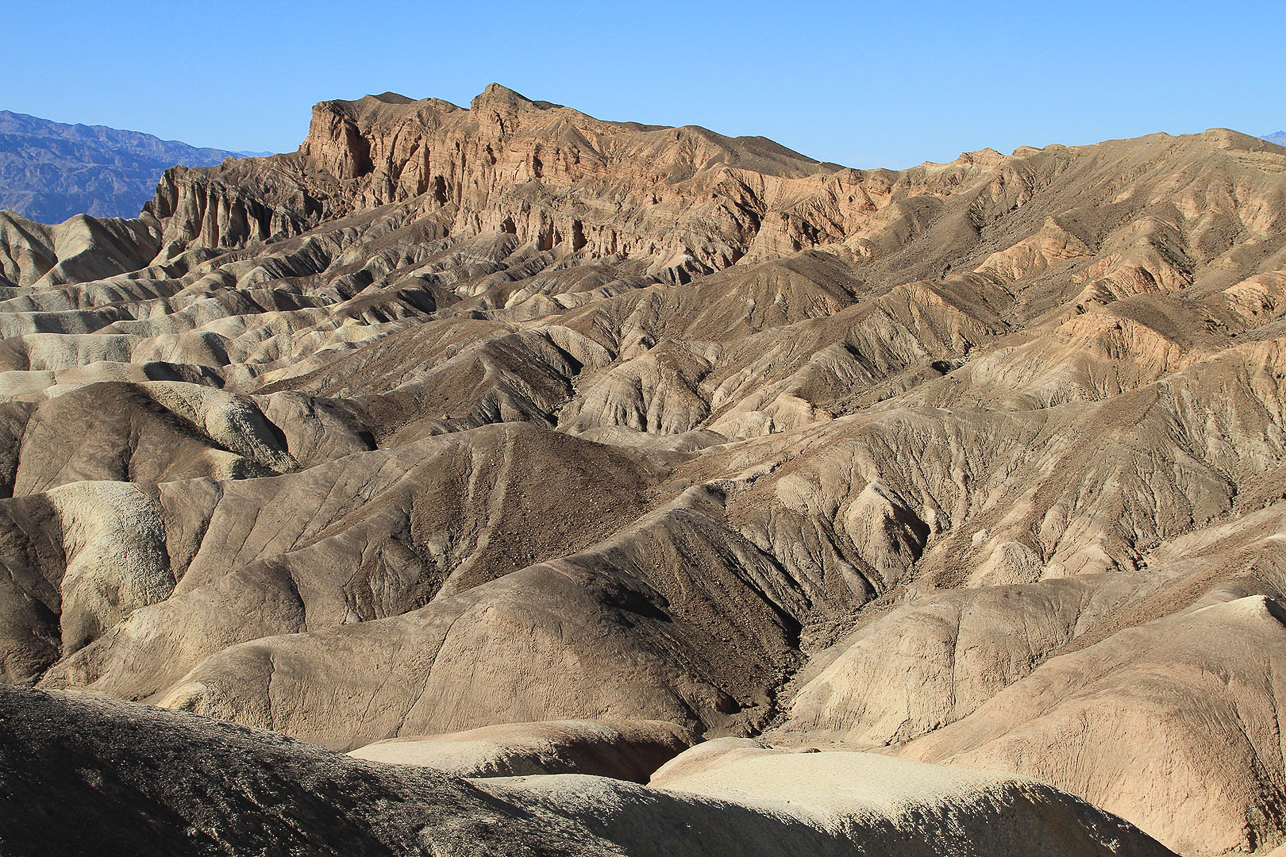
x,y
195,785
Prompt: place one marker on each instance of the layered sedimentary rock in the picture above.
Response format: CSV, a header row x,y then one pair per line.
x,y
461,418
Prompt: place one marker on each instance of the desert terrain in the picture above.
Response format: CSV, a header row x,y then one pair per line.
x,y
503,480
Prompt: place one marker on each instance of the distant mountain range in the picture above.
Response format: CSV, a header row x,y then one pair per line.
x,y
50,171
1278,137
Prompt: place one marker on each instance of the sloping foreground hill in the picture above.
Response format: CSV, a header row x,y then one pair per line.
x,y
464,417
80,775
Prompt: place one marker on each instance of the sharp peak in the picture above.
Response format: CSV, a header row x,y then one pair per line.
x,y
498,95
499,90
392,98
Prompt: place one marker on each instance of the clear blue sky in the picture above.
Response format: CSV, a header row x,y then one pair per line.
x,y
863,84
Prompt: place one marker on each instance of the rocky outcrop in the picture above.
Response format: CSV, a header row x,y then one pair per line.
x,y
222,209
506,165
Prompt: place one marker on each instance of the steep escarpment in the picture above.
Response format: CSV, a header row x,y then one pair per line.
x,y
548,175
457,418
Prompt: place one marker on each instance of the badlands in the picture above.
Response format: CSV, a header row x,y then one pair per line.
x,y
508,481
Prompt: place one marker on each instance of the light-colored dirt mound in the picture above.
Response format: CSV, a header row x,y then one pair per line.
x,y
82,248
1127,723
876,801
621,749
938,658
552,641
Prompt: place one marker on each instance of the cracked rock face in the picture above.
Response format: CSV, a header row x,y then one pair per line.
x,y
522,443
